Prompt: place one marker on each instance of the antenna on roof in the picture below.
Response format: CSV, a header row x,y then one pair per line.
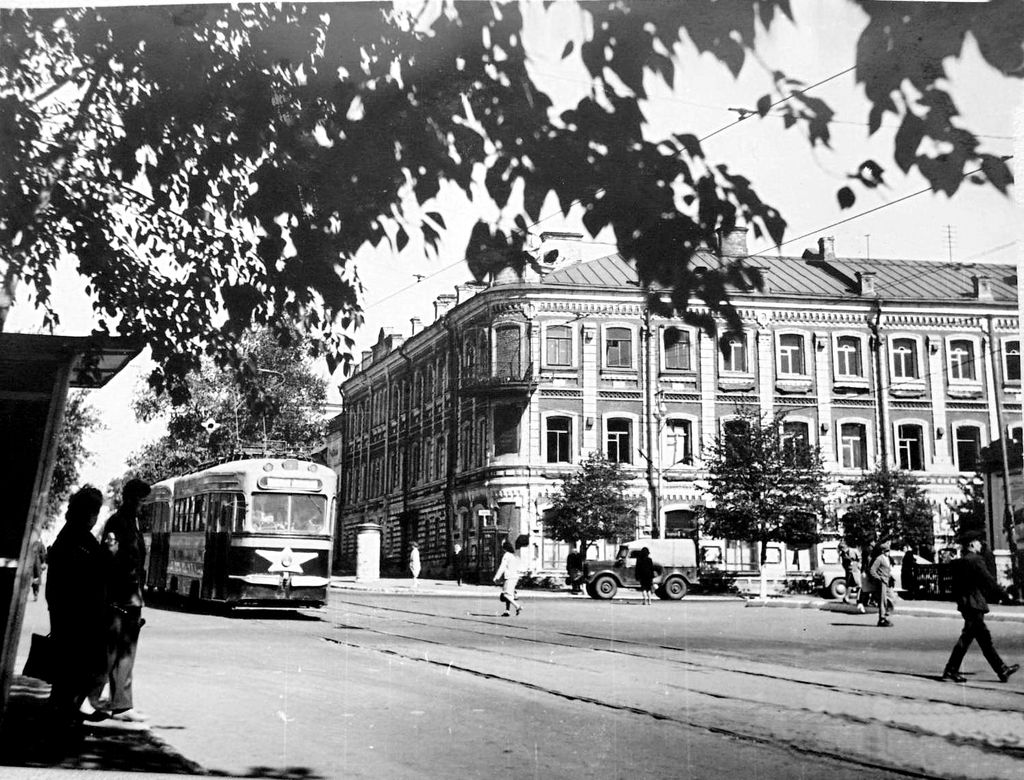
x,y
867,240
949,242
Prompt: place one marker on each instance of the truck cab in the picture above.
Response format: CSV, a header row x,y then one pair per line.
x,y
675,569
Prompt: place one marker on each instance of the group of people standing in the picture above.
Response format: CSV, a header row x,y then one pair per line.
x,y
870,584
94,596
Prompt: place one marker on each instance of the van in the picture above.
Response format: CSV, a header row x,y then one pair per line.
x,y
675,569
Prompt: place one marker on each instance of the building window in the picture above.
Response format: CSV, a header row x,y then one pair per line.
x,y
440,457
968,447
506,429
734,354
1011,361
853,446
904,359
559,438
480,442
618,348
678,442
791,354
507,352
848,357
737,429
796,438
618,440
559,345
677,348
910,447
1016,433
961,361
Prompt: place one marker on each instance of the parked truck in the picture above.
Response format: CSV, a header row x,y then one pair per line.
x,y
675,569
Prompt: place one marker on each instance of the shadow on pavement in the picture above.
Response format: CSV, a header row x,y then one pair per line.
x,y
29,739
854,625
287,773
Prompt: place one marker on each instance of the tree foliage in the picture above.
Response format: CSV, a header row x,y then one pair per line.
x,y
281,403
214,167
79,420
889,504
590,505
764,486
970,513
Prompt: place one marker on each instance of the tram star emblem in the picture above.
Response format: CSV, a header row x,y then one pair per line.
x,y
286,560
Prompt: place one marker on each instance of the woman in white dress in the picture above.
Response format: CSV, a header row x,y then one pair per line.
x,y
414,564
508,576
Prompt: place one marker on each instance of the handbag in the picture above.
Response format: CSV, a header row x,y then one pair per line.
x,y
42,661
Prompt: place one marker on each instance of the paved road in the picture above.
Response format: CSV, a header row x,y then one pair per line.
x,y
394,686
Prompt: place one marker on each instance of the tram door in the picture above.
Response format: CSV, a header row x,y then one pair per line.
x,y
218,543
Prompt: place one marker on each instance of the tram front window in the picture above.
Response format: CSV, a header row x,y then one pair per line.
x,y
288,513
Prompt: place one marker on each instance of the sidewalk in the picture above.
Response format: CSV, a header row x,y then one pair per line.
x,y
431,587
30,749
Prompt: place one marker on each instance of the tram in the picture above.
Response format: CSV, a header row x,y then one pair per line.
x,y
246,533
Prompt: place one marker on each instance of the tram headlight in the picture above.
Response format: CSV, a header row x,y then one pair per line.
x,y
268,466
286,560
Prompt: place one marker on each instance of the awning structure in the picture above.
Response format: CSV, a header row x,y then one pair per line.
x,y
28,361
35,374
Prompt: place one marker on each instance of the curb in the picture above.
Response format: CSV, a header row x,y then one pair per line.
x,y
383,587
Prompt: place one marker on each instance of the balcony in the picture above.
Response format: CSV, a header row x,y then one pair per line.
x,y
503,380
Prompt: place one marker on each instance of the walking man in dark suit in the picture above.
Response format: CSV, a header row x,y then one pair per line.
x,y
972,582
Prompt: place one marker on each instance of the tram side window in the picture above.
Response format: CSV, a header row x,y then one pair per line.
x,y
199,515
239,512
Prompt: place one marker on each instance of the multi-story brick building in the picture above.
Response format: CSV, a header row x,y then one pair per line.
x,y
462,431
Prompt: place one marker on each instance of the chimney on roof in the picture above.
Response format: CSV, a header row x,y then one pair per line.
x,y
367,357
443,304
766,277
463,292
866,279
734,241
827,249
417,326
983,288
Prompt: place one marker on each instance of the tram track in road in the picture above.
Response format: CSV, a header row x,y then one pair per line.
x,y
634,649
635,710
803,708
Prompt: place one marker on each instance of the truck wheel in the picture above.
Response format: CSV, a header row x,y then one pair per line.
x,y
605,587
837,589
675,588
590,590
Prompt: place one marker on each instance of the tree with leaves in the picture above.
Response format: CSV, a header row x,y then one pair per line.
x,y
590,505
280,410
970,513
889,504
764,487
214,167
79,420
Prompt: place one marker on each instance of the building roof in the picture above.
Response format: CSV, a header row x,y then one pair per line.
x,y
812,277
